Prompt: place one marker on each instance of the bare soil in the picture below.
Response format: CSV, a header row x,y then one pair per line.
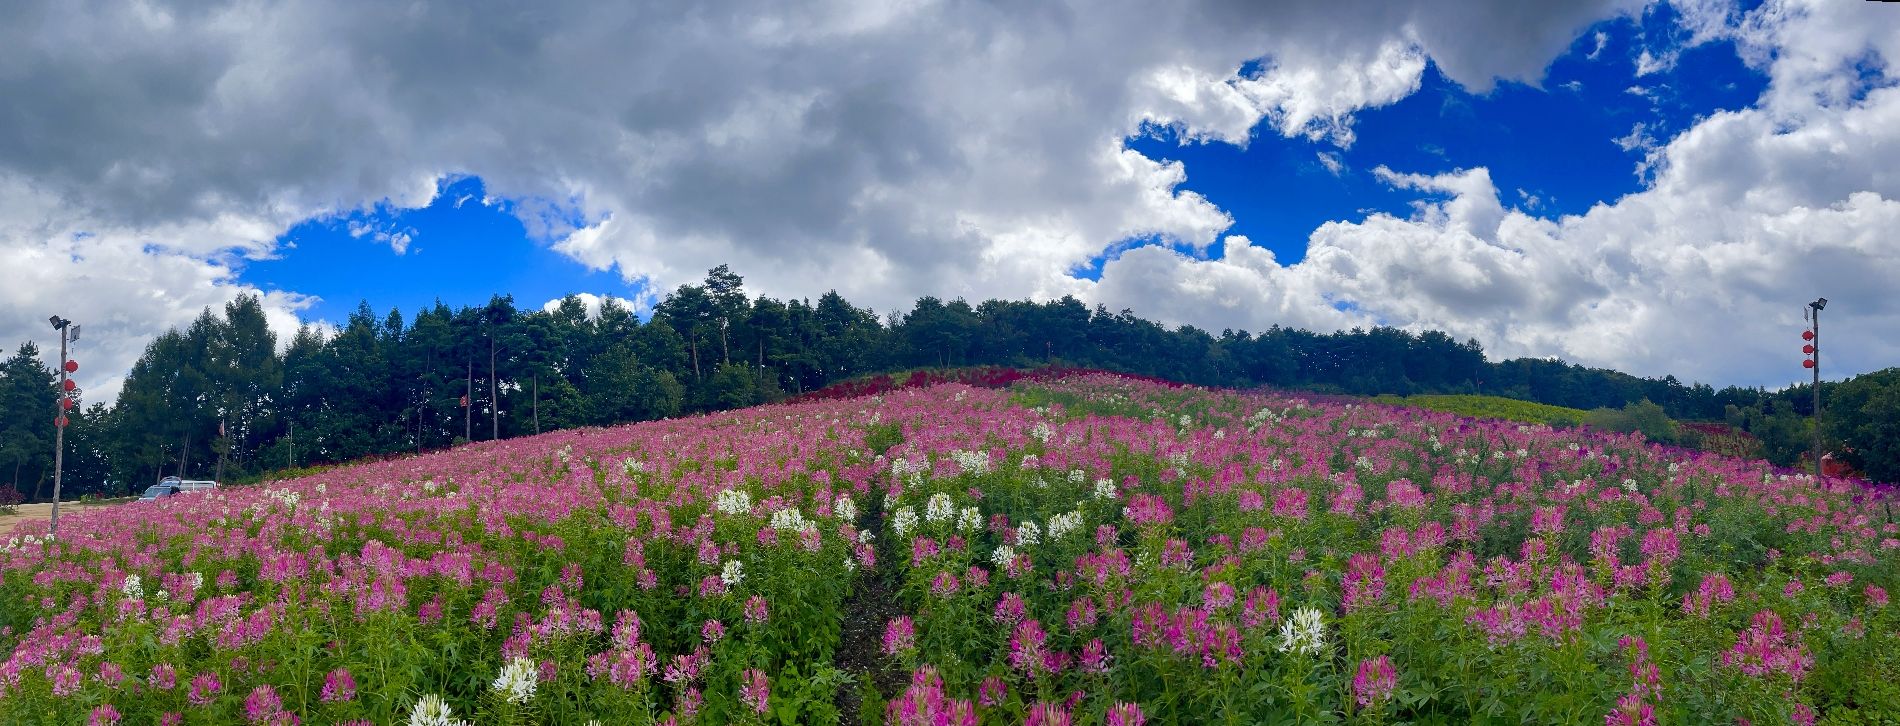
x,y
43,511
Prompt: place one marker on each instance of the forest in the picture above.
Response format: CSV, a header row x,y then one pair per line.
x,y
219,398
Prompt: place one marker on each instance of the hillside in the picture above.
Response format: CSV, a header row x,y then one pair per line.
x,y
978,555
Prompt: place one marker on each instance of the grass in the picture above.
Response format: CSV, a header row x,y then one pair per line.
x,y
1491,407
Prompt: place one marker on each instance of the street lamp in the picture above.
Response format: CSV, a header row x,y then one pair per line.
x,y
68,332
1813,348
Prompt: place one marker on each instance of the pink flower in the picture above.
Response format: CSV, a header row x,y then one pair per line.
x,y
1876,596
1125,714
1095,657
1027,648
944,585
1767,647
1375,681
755,612
900,636
755,690
1048,714
263,705
204,689
1010,610
924,704
338,686
992,691
1290,503
1218,596
163,677
712,632
66,679
1365,581
104,715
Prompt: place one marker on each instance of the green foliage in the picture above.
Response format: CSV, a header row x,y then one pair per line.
x,y
1640,417
1864,417
1491,407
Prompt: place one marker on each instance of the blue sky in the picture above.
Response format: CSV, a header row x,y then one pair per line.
x,y
893,150
1277,189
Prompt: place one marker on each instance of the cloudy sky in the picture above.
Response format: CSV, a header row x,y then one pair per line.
x,y
1652,187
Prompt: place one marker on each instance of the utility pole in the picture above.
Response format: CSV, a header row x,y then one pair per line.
x,y
1813,363
494,395
290,457
67,332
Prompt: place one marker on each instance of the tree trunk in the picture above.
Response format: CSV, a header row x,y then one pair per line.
x,y
537,403
494,396
694,345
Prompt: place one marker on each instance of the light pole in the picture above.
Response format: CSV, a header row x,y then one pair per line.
x,y
1813,363
68,332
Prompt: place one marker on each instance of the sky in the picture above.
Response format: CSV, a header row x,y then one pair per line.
x,y
1656,187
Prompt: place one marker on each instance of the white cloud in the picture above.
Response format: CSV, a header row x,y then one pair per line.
x,y
1749,215
886,149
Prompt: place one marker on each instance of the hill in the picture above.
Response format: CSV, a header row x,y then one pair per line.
x,y
956,553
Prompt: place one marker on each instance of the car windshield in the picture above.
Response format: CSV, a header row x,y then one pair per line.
x,y
156,490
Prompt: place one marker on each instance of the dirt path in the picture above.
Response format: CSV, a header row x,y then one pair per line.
x,y
43,511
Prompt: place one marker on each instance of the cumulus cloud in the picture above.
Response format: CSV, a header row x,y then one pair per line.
x,y
1703,274
885,148
889,150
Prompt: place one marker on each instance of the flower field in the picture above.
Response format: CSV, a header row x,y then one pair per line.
x,y
1085,550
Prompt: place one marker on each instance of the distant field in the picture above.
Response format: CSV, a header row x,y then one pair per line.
x,y
1492,407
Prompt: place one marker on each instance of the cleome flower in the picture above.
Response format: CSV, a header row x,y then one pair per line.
x,y
1303,633
516,681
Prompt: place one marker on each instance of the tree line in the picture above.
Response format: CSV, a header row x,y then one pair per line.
x,y
217,398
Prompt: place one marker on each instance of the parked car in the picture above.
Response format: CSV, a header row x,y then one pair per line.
x,y
173,486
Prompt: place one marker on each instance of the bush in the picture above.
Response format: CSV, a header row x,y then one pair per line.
x,y
1642,417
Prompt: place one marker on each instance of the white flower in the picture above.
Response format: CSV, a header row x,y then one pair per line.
x,y
734,572
517,680
197,580
1028,534
850,565
1042,432
1629,485
790,519
846,509
969,520
904,521
1062,524
1003,556
1076,476
1104,489
971,462
1187,420
133,587
733,501
431,710
1303,633
633,466
939,508
163,594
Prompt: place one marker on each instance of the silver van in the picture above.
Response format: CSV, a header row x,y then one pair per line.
x,y
172,486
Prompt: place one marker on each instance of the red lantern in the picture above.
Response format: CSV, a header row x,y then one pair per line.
x,y
60,422
65,404
1807,335
72,366
1808,349
1808,363
72,385
465,402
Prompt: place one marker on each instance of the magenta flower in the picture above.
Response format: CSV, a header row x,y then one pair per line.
x,y
263,705
992,691
1125,714
104,715
1374,682
900,636
925,704
1876,596
163,677
712,632
66,679
204,689
755,690
338,686
755,611
1218,596
1048,714
1767,647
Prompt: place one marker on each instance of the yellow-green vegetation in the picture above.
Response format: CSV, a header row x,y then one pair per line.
x,y
1491,407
